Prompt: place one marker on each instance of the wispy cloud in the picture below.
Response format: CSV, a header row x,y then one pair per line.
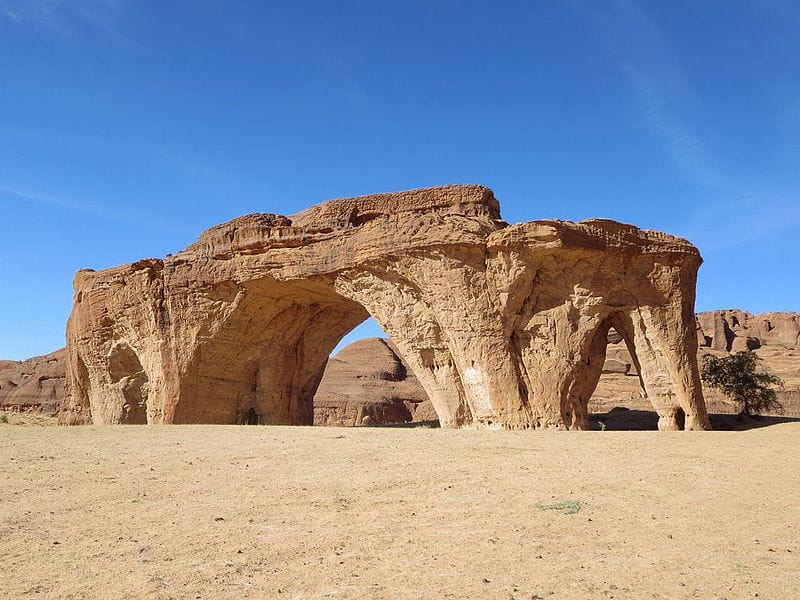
x,y
43,13
750,219
737,212
158,155
49,12
63,17
12,194
659,86
686,150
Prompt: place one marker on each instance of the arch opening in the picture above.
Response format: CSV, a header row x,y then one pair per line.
x,y
130,380
632,390
619,400
263,360
367,382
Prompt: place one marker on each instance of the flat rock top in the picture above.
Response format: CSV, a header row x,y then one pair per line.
x,y
355,229
394,220
353,211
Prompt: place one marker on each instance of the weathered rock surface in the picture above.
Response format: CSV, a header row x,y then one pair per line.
x,y
618,387
734,330
775,337
33,385
365,379
503,325
367,382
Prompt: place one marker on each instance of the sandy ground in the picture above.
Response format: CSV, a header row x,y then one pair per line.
x,y
24,418
275,512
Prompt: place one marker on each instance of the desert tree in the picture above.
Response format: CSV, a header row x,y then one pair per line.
x,y
739,377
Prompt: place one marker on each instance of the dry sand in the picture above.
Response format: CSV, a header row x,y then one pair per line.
x,y
275,512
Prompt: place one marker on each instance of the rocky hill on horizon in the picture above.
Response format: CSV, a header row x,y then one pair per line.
x,y
368,383
33,385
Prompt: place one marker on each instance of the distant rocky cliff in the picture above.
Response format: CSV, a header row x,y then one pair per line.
x,y
34,385
734,330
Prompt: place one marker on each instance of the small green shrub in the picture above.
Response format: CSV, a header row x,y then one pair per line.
x,y
739,378
3,418
569,507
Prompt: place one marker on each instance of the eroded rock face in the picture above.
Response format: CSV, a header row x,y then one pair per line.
x,y
774,337
735,330
503,326
367,383
33,385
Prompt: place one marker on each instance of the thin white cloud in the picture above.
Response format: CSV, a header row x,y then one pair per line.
x,y
737,212
63,16
183,167
43,13
686,150
11,194
7,193
659,85
721,227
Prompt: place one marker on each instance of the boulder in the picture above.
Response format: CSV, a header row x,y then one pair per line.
x,y
745,342
616,366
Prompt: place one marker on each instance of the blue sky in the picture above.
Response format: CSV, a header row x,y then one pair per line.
x,y
128,127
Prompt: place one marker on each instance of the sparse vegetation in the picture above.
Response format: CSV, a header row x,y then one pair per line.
x,y
739,378
569,507
3,418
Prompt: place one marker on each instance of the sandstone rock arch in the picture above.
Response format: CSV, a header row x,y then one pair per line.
x,y
501,324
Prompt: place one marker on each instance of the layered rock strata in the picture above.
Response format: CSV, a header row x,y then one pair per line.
x,y
503,325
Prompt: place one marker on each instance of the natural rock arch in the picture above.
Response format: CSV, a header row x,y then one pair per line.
x,y
499,323
263,346
129,380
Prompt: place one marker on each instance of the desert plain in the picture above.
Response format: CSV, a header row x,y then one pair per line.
x,y
206,512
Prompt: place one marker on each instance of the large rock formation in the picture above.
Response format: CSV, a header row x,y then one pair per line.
x,y
367,383
33,385
775,338
504,326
